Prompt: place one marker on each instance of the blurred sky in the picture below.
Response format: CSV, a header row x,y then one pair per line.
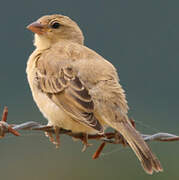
x,y
141,38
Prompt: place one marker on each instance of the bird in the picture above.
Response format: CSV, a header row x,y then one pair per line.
x,y
77,89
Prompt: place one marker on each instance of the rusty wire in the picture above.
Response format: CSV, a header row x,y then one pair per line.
x,y
105,138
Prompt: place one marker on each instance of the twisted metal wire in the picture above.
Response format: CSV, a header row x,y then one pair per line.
x,y
105,138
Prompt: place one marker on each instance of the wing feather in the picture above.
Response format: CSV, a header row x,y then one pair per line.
x,y
67,91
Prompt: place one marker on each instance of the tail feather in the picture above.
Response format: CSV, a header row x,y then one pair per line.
x,y
148,160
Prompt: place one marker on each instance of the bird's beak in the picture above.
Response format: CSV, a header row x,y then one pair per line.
x,y
36,27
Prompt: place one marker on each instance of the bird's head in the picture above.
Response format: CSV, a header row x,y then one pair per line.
x,y
55,28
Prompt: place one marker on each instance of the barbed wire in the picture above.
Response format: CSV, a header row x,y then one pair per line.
x,y
114,138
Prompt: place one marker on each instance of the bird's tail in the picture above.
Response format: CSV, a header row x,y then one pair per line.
x,y
148,160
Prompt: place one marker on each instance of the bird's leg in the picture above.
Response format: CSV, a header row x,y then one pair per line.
x,y
57,136
85,142
119,139
50,136
55,140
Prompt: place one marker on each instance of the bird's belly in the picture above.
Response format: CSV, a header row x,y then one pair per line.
x,y
49,109
56,116
53,113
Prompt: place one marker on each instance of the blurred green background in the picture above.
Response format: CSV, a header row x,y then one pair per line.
x,y
141,38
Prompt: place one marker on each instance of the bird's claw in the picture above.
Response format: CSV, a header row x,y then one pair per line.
x,y
57,135
85,142
85,146
55,140
50,136
119,139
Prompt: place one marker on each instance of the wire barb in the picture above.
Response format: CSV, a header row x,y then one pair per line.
x,y
104,138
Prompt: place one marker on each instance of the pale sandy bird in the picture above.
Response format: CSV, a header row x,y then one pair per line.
x,y
77,89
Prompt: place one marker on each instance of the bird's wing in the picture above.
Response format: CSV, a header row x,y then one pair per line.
x,y
66,90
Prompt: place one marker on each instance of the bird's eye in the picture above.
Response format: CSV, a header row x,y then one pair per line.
x,y
55,25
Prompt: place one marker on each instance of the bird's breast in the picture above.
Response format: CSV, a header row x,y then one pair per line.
x,y
48,108
53,113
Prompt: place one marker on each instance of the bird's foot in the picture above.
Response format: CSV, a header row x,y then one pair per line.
x,y
50,136
57,135
119,139
55,140
85,142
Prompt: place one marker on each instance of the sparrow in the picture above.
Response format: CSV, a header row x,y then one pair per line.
x,y
76,89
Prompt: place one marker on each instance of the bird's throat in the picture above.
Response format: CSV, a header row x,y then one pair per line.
x,y
41,42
